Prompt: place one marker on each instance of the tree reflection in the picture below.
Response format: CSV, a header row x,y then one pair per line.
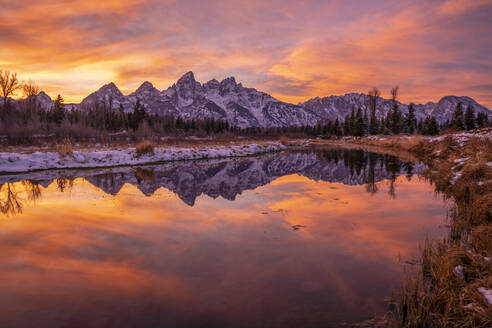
x,y
144,174
10,203
63,184
32,188
366,165
229,178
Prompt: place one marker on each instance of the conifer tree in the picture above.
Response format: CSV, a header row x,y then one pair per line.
x,y
470,118
346,125
352,123
482,120
58,111
457,122
336,127
359,126
410,120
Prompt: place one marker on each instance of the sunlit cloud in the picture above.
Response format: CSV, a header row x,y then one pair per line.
x,y
293,50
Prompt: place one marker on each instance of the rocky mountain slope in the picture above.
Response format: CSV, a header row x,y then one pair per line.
x,y
246,107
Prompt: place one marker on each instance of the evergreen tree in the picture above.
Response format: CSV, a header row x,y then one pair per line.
x,y
336,127
430,126
346,125
470,118
137,117
359,126
58,111
457,122
366,123
394,119
482,120
352,123
410,120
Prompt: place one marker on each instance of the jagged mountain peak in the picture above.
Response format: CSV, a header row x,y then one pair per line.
x,y
42,99
147,90
212,84
246,107
145,86
231,80
109,88
188,77
107,95
43,94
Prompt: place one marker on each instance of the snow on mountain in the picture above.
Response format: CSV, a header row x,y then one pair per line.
x,y
225,100
246,107
334,107
444,109
44,100
108,95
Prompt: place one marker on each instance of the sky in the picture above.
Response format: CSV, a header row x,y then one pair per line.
x,y
294,50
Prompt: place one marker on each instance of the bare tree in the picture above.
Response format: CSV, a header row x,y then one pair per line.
x,y
374,93
32,189
394,93
12,204
8,84
30,89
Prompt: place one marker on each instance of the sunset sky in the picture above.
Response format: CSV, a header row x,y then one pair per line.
x,y
294,50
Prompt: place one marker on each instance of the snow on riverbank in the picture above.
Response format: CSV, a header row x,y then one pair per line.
x,y
15,162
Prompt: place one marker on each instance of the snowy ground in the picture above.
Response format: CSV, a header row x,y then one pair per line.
x,y
16,162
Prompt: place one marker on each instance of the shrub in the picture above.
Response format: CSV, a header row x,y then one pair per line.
x,y
284,140
65,148
144,147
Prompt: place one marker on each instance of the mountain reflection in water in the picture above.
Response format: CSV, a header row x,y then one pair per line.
x,y
226,178
312,239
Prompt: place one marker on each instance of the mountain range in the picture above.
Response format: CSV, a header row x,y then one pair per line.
x,y
247,107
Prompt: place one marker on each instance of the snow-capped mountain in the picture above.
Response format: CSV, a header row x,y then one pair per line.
x,y
246,107
334,107
189,99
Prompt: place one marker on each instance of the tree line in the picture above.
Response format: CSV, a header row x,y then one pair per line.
x,y
28,118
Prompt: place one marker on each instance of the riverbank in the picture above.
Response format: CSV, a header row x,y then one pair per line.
x,y
453,286
64,156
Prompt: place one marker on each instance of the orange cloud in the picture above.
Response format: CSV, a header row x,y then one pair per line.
x,y
293,50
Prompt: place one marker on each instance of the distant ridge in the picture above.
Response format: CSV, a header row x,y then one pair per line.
x,y
248,107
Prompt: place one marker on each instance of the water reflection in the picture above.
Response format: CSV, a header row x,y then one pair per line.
x,y
225,178
313,240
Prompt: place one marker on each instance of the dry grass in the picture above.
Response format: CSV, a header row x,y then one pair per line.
x,y
65,148
144,147
439,296
284,140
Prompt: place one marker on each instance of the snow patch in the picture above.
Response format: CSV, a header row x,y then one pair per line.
x,y
14,162
487,293
455,178
459,271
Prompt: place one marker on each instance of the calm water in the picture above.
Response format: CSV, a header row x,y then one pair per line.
x,y
284,240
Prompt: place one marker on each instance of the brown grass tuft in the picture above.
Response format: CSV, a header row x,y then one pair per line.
x,y
65,148
284,140
144,147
